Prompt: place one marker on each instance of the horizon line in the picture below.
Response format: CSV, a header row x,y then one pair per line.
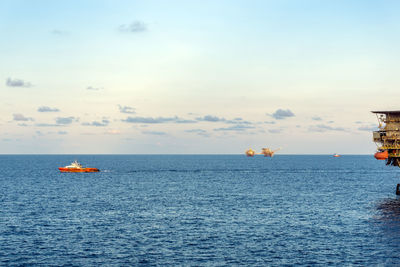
x,y
191,154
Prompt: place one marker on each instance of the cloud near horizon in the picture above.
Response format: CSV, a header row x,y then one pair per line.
x,y
152,120
134,27
59,32
47,109
47,125
17,83
235,128
60,122
281,114
20,117
369,128
323,128
103,123
210,118
200,132
93,88
64,120
196,131
126,109
238,121
154,133
275,131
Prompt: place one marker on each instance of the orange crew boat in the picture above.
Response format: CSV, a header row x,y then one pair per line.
x,y
76,167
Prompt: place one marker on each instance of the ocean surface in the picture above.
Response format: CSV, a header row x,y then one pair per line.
x,y
199,210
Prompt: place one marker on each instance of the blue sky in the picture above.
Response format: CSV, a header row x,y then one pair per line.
x,y
195,76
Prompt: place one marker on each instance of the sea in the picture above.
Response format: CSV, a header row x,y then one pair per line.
x,y
199,210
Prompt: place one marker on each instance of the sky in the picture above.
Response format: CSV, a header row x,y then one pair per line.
x,y
196,77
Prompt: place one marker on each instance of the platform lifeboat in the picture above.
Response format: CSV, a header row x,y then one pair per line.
x,y
76,167
381,155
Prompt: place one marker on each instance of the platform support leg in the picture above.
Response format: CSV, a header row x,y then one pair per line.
x,y
398,189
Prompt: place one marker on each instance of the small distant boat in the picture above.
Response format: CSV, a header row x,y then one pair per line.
x,y
381,155
336,155
77,167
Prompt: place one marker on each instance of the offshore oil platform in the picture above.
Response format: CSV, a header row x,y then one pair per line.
x,y
264,151
387,138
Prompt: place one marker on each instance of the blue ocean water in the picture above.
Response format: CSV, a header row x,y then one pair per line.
x,y
197,210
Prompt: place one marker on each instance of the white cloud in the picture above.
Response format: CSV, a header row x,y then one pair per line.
x,y
281,114
47,109
126,109
17,83
134,27
20,117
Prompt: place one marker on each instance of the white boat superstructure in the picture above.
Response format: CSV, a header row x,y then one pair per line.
x,y
74,164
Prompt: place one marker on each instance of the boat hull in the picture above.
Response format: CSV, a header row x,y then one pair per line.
x,y
62,169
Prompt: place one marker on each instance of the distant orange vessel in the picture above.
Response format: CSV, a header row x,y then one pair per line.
x,y
336,155
76,167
